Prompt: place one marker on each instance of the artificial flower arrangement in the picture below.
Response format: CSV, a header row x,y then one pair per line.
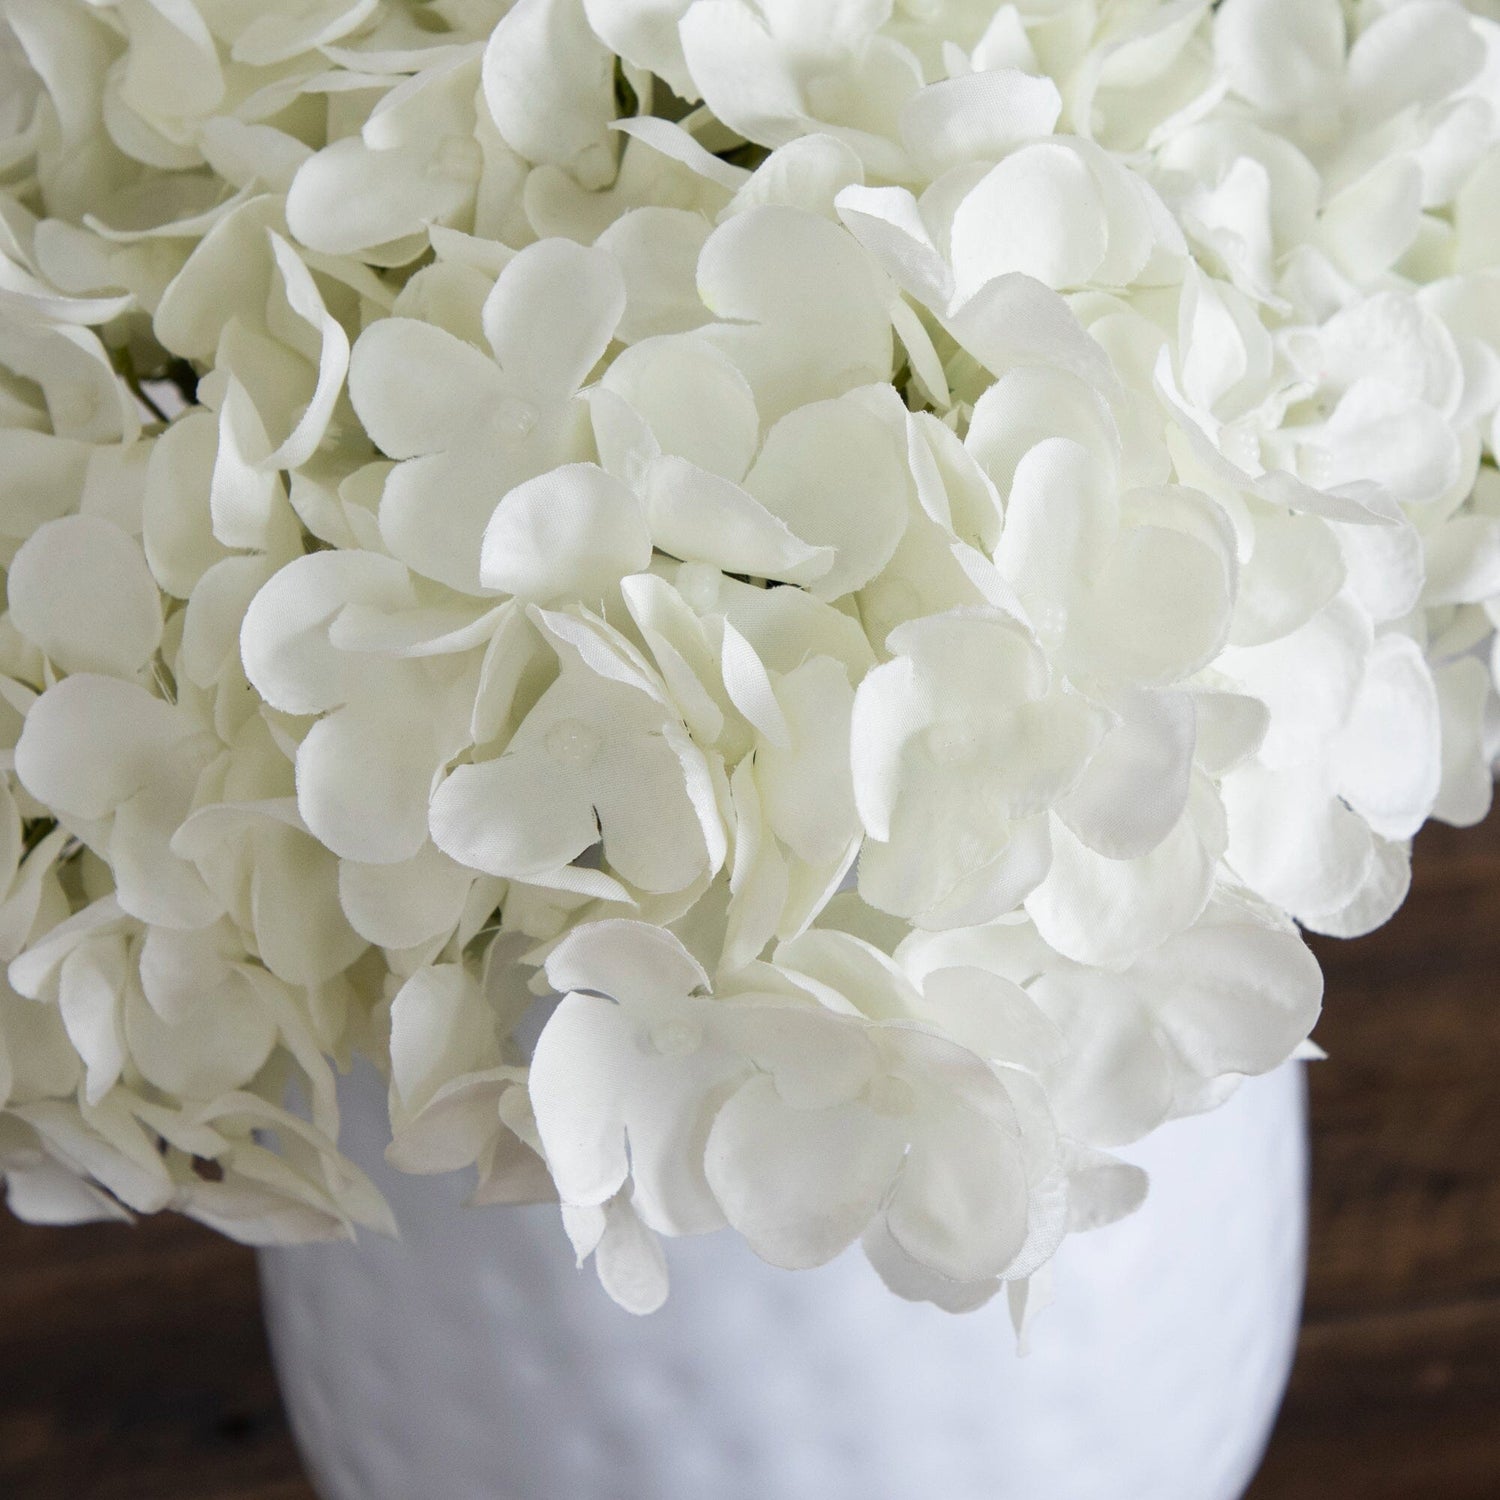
x,y
890,552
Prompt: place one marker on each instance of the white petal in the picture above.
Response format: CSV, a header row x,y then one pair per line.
x,y
1159,608
1136,785
1097,910
799,1184
1038,213
300,929
1236,995
405,904
1060,519
960,1203
879,731
440,1028
1387,880
333,359
1031,404
634,962
90,996
418,389
284,639
579,1072
696,404
573,533
1293,842
1307,679
363,778
1115,1083
699,517
1295,568
1388,758
834,473
1281,54
807,787
1015,320
914,1282
750,690
741,71
888,223
350,198
549,84
516,817
992,1016
90,743
977,117
552,314
176,966
786,287
464,486
218,1044
657,812
630,1260
657,252
80,590
644,33
1467,787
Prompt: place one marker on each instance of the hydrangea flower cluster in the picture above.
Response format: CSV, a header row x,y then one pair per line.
x,y
889,552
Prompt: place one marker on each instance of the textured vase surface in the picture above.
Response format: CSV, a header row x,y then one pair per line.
x,y
473,1361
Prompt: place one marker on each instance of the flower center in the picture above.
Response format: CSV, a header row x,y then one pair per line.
x,y
574,742
515,419
1051,620
676,1038
951,744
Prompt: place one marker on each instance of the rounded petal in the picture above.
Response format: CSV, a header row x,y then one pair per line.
x,y
800,1184
960,1204
549,85
580,1072
90,743
698,517
786,287
441,1028
833,472
349,197
572,533
1159,608
284,638
521,817
218,1044
1039,213
634,962
418,389
1236,992
81,592
552,314
1097,910
364,774
695,403
1388,759
405,904
977,116
1293,842
1135,787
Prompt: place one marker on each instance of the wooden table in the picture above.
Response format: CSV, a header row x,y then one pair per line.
x,y
132,1364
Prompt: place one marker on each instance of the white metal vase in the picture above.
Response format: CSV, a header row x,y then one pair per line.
x,y
471,1360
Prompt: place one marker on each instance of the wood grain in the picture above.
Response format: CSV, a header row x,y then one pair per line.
x,y
133,1367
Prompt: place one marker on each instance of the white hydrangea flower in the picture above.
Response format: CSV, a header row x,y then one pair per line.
x,y
891,553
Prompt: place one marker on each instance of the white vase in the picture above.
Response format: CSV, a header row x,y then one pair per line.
x,y
473,1361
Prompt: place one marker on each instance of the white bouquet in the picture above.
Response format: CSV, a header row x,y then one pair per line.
x,y
889,552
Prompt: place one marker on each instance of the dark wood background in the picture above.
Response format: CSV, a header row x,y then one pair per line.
x,y
132,1364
